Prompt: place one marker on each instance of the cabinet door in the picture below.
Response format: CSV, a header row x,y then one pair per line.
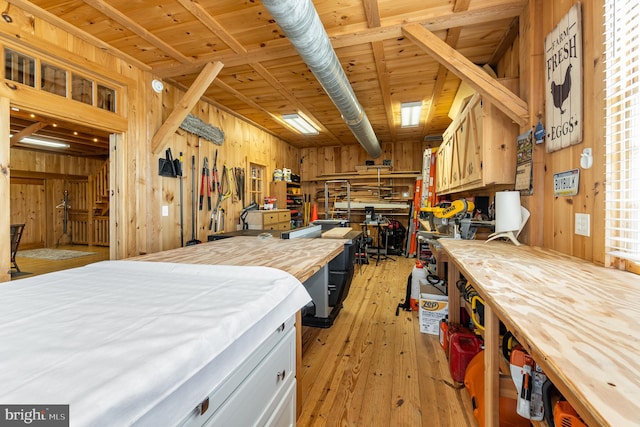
x,y
443,165
470,140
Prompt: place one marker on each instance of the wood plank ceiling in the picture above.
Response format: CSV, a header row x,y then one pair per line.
x,y
263,76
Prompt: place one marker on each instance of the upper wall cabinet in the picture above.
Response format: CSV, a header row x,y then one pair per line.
x,y
478,148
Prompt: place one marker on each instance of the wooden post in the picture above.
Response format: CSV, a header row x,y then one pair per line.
x,y
492,368
5,180
454,293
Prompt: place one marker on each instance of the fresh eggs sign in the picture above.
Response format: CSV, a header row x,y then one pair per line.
x,y
563,81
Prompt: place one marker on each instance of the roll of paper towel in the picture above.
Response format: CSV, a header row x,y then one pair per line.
x,y
508,212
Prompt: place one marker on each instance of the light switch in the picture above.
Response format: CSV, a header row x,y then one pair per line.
x,y
165,210
582,224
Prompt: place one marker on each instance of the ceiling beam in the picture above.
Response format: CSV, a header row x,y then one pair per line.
x,y
391,28
372,12
28,131
494,91
210,22
506,42
46,16
186,104
137,29
453,35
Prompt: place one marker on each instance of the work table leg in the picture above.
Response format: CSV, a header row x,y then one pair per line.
x,y
454,293
492,368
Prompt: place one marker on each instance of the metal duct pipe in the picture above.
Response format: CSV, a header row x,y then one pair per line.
x,y
301,24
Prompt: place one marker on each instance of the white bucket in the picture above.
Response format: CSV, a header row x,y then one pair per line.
x,y
417,275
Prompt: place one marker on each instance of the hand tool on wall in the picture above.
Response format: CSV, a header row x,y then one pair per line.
x,y
193,240
205,181
217,216
216,181
179,172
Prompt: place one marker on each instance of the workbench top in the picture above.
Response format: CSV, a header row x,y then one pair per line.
x,y
299,257
581,322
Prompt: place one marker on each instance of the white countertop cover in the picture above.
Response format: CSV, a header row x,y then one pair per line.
x,y
131,342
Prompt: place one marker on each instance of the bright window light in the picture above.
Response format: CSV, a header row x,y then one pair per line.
x,y
300,124
410,114
43,142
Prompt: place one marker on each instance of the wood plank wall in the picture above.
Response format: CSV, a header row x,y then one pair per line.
x,y
38,181
552,220
243,144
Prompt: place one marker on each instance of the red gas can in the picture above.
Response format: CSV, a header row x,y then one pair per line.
x,y
452,328
462,347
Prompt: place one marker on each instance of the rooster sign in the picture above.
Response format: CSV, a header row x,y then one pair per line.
x,y
563,77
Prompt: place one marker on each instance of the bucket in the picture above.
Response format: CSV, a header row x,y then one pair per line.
x,y
417,274
286,174
277,175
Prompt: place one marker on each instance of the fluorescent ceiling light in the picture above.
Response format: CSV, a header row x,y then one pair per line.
x,y
300,124
410,113
43,142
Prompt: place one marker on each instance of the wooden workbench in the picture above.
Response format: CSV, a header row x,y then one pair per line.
x,y
299,257
579,321
302,258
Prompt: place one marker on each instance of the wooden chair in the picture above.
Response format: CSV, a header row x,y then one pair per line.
x,y
16,235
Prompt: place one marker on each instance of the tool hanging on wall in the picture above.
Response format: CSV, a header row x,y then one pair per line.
x,y
193,240
65,237
216,223
168,166
238,174
179,173
214,173
205,181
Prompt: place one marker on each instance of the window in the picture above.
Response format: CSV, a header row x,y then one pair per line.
x,y
81,89
19,68
622,81
29,71
256,191
106,98
53,79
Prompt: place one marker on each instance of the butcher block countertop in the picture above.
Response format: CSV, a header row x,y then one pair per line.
x,y
299,257
580,321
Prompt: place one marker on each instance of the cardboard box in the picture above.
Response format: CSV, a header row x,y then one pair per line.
x,y
433,307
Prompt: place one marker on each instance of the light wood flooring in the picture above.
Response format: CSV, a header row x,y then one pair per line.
x,y
372,368
36,266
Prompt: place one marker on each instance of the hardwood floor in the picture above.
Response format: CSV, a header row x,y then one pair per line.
x,y
36,266
372,368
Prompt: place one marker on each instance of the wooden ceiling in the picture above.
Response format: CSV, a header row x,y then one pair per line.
x,y
264,77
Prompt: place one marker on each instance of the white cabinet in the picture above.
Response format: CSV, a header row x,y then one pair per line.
x,y
261,391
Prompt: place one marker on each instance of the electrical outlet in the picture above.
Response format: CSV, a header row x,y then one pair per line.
x,y
582,224
165,210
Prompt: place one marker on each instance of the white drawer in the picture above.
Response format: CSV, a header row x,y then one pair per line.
x,y
284,414
218,400
271,378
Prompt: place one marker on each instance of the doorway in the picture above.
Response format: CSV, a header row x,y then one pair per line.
x,y
59,189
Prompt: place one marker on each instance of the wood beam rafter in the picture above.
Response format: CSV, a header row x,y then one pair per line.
x,y
390,28
212,24
137,29
186,104
453,35
28,131
373,20
506,42
503,98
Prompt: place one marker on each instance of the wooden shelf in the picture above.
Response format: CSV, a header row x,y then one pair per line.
x,y
356,175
